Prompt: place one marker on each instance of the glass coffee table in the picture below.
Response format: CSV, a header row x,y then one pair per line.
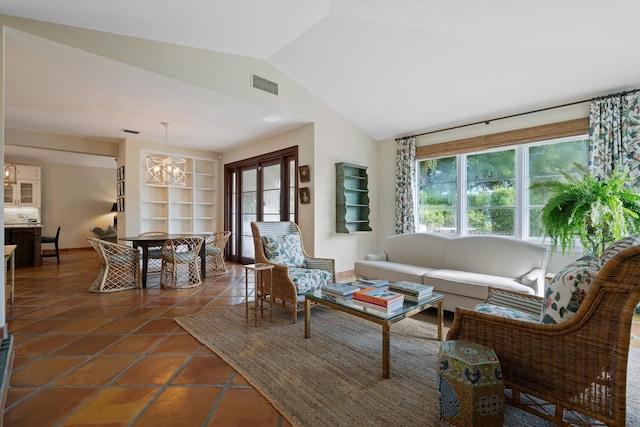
x,y
385,319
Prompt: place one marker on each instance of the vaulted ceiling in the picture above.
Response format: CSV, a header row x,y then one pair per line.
x,y
392,68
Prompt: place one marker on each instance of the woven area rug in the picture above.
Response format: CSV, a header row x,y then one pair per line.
x,y
335,377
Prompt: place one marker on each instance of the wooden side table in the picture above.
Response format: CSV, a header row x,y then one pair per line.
x,y
258,274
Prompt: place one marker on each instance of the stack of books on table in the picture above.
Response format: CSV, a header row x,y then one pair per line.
x,y
381,299
370,282
414,292
343,290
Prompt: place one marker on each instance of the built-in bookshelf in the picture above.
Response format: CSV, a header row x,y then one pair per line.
x,y
352,198
188,209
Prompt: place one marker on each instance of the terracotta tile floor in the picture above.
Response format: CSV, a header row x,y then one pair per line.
x,y
120,359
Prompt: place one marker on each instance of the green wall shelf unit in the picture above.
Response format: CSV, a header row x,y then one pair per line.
x,y
352,198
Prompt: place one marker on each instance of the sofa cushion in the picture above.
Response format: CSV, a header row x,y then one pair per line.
x,y
422,249
391,271
99,232
567,290
473,285
284,250
618,246
487,255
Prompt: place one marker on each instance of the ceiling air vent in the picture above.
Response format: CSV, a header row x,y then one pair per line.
x,y
264,84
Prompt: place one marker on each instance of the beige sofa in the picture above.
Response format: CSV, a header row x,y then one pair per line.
x,y
461,268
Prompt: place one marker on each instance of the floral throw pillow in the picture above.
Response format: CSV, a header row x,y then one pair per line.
x,y
284,250
568,289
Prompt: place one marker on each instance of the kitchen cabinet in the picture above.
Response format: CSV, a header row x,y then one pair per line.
x,y
26,191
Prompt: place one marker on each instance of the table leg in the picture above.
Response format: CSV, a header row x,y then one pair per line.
x,y
246,295
440,319
145,263
307,317
270,294
203,262
256,287
13,275
385,351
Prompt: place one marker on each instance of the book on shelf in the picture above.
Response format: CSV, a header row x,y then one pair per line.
x,y
344,289
373,283
378,296
410,288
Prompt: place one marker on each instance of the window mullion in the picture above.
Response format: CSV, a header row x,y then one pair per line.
x,y
521,198
462,194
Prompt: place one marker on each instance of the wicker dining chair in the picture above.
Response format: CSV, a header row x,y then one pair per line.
x,y
119,267
181,263
578,366
154,262
291,280
214,252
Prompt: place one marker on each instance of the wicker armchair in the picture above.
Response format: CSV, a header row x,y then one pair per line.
x,y
578,366
214,252
119,267
289,284
154,263
180,263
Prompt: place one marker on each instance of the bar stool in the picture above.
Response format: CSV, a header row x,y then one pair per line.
x,y
54,240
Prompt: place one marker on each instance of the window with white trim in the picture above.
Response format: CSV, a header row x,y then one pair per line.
x,y
488,192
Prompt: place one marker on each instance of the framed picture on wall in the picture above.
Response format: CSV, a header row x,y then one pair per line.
x,y
303,171
305,196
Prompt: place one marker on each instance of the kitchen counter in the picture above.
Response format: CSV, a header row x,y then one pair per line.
x,y
27,237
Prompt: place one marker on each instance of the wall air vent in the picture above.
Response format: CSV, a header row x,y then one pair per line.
x,y
264,84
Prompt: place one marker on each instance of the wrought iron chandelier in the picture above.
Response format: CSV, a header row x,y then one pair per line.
x,y
164,170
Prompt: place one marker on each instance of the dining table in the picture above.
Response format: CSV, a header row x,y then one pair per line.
x,y
152,241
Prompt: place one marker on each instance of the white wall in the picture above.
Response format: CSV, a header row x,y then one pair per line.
x,y
76,198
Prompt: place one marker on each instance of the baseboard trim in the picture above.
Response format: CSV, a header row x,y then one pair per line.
x,y
53,251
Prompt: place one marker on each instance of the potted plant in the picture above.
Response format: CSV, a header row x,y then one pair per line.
x,y
595,211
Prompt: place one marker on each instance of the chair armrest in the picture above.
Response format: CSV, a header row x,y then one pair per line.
x,y
531,304
376,257
535,280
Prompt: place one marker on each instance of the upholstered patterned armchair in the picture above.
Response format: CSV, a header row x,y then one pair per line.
x,y
295,273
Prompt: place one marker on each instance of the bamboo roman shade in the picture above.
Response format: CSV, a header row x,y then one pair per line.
x,y
504,139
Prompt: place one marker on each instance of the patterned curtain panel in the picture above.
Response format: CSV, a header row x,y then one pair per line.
x,y
405,176
614,135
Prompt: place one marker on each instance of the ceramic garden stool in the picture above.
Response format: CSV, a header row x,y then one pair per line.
x,y
470,385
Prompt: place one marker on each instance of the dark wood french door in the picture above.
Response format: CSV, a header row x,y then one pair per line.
x,y
261,188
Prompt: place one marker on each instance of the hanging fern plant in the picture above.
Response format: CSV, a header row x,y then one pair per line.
x,y
595,211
